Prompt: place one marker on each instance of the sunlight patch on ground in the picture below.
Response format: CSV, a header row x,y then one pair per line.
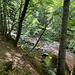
x,y
15,58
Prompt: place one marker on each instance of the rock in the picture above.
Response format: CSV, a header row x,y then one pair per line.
x,y
55,70
44,55
50,57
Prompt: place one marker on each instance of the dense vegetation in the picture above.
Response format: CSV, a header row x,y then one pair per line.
x,y
37,18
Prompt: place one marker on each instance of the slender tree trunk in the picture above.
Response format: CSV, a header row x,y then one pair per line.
x,y
41,35
1,18
20,9
2,31
13,24
62,52
4,17
18,18
20,22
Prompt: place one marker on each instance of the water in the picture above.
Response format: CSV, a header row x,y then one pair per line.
x,y
53,47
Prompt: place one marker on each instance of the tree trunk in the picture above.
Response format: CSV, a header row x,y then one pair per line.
x,y
1,18
62,52
40,36
20,9
20,22
4,17
13,24
14,17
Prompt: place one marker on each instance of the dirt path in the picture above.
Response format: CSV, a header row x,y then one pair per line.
x,y
9,53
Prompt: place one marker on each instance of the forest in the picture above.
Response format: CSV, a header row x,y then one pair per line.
x,y
37,37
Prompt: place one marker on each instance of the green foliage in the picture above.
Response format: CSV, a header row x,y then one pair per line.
x,y
41,11
17,70
7,65
3,72
26,72
73,70
51,72
45,71
38,15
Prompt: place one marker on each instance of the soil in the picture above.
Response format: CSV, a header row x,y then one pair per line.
x,y
10,53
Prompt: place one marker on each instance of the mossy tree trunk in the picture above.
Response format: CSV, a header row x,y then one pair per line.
x,y
20,22
1,18
62,52
4,17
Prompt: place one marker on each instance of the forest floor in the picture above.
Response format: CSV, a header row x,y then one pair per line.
x,y
29,65
25,63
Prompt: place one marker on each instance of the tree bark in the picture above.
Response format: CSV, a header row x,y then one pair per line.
x,y
20,9
20,22
4,17
62,52
0,17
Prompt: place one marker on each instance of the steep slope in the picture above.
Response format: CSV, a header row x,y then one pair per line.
x,y
9,53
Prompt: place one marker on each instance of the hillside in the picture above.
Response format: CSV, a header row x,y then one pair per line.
x,y
16,55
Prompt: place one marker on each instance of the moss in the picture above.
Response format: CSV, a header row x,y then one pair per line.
x,y
3,72
26,72
7,65
50,72
17,70
45,71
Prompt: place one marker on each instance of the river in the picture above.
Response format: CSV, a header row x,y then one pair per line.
x,y
53,47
